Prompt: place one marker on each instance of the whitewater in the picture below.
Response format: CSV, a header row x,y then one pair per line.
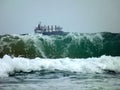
x,y
69,62
103,64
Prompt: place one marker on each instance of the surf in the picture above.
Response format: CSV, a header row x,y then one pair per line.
x,y
72,45
103,64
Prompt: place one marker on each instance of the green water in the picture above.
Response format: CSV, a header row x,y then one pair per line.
x,y
73,45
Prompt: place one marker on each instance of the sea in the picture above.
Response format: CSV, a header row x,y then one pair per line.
x,y
76,61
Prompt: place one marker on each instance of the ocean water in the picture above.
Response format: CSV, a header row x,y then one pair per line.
x,y
69,62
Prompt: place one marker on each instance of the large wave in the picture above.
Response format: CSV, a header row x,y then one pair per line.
x,y
103,64
73,45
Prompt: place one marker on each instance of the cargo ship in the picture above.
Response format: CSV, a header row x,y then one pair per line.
x,y
49,30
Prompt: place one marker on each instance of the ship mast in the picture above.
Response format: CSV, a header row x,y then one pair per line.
x,y
44,28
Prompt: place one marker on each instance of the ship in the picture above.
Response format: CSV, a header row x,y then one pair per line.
x,y
49,30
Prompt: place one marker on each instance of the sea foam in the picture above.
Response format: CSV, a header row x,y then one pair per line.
x,y
9,65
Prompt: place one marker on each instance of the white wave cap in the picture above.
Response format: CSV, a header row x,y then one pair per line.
x,y
90,65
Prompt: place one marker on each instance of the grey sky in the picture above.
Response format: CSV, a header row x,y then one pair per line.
x,y
22,16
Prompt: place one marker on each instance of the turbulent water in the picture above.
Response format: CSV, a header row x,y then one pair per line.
x,y
69,62
73,45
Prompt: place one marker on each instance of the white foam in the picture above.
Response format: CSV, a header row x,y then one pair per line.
x,y
90,65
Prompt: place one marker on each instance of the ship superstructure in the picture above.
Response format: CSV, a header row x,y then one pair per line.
x,y
49,30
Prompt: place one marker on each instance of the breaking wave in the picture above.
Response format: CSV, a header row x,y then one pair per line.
x,y
72,45
103,64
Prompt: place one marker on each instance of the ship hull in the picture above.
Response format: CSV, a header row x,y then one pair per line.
x,y
55,33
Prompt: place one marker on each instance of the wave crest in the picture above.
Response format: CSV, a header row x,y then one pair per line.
x,y
73,45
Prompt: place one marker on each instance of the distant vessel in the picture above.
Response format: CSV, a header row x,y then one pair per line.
x,y
49,30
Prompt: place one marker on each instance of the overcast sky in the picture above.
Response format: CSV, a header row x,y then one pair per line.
x,y
22,16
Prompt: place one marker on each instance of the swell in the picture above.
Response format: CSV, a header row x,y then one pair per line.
x,y
73,45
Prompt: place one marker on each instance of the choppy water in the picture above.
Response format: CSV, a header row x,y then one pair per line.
x,y
68,62
61,82
101,73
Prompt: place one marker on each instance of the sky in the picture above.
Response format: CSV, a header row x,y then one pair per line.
x,y
84,16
